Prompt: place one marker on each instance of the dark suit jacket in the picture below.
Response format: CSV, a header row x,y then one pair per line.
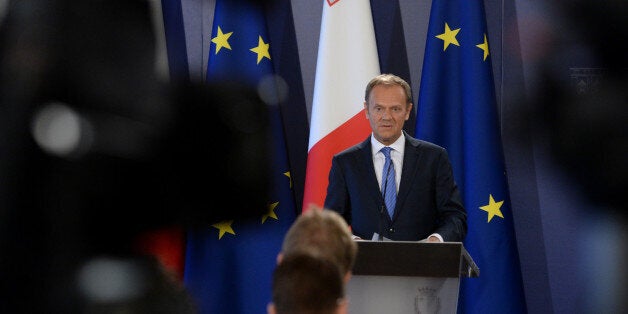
x,y
428,200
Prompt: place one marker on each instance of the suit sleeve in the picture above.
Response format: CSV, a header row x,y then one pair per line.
x,y
337,198
452,216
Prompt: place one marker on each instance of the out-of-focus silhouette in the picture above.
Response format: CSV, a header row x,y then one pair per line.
x,y
577,110
579,103
95,150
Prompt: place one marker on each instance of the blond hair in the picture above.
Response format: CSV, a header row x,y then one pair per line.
x,y
322,232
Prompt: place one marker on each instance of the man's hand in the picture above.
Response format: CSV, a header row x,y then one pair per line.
x,y
433,239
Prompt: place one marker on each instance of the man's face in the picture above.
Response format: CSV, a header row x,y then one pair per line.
x,y
387,111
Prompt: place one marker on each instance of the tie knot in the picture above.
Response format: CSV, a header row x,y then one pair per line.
x,y
386,152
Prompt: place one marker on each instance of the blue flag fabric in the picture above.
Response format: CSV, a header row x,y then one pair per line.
x,y
229,265
457,110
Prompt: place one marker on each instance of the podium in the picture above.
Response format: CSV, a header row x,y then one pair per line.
x,y
408,277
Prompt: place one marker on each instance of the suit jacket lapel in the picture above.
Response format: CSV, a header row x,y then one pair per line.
x,y
367,170
410,167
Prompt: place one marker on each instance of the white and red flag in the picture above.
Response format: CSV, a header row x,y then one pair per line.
x,y
347,60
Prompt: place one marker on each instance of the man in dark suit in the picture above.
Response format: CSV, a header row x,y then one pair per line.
x,y
427,205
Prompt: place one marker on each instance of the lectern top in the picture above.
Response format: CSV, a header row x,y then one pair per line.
x,y
408,258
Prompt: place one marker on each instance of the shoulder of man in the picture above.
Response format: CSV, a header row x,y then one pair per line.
x,y
421,144
355,148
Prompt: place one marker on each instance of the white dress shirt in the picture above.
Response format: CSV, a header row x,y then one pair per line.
x,y
396,154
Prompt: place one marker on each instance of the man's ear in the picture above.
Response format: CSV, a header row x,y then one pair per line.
x,y
270,308
279,258
347,277
366,109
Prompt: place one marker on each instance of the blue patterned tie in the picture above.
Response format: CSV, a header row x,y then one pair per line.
x,y
389,186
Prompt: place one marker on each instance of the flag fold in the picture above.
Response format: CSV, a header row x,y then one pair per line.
x,y
457,109
229,264
347,60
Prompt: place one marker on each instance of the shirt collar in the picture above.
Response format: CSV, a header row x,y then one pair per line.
x,y
398,145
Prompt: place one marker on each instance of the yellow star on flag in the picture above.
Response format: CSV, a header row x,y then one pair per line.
x,y
222,40
271,212
224,227
484,47
261,50
449,37
492,208
287,174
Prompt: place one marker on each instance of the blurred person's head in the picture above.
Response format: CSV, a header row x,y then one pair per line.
x,y
323,233
304,283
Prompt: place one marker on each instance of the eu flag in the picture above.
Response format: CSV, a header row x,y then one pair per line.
x,y
229,264
457,110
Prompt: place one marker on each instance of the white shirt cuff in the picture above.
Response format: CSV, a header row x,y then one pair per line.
x,y
438,236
